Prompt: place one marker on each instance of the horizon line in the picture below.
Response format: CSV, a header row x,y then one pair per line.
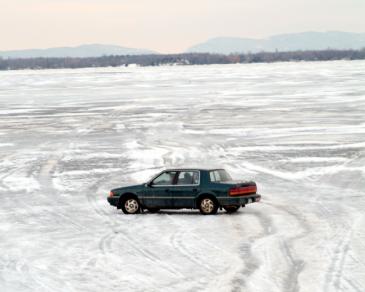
x,y
167,53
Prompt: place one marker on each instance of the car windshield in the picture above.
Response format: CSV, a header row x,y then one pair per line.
x,y
219,175
165,178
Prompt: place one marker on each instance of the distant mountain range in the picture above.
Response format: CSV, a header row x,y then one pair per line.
x,y
283,42
222,45
94,50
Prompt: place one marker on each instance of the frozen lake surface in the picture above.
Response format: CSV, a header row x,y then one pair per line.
x,y
68,136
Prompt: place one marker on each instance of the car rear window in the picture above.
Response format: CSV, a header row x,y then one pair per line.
x,y
219,175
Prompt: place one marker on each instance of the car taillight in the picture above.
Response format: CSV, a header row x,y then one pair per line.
x,y
238,191
111,194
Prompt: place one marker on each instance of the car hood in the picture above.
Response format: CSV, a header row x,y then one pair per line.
x,y
128,188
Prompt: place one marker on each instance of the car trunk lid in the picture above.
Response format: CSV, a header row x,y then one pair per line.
x,y
243,188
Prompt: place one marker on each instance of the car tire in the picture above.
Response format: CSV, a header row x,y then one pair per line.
x,y
208,206
231,209
153,210
130,205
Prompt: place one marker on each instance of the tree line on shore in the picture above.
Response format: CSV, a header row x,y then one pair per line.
x,y
180,59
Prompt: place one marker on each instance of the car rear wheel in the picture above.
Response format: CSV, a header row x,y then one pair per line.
x,y
130,205
231,209
208,206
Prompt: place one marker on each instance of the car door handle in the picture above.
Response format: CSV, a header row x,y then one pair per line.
x,y
195,190
167,190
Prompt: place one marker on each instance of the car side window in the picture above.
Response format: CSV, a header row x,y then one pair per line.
x,y
215,176
219,175
188,178
212,176
165,178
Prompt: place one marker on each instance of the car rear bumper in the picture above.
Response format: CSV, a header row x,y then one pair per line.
x,y
113,201
239,200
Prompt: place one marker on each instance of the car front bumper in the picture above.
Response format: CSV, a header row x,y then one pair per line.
x,y
239,201
113,201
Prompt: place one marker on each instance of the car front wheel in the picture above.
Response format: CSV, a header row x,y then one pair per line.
x,y
130,206
208,206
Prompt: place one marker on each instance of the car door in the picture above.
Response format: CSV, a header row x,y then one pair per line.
x,y
158,190
185,189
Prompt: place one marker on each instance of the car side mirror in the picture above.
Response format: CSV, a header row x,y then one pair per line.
x,y
148,185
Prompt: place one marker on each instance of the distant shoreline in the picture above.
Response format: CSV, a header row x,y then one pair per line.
x,y
179,59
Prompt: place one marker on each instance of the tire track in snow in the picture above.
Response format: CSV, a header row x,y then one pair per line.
x,y
196,257
177,240
51,194
49,197
19,265
48,192
141,250
355,287
115,231
334,275
287,246
106,242
289,282
335,272
246,254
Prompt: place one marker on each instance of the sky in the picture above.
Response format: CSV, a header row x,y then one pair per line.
x,y
167,26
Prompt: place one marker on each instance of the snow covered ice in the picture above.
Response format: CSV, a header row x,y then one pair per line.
x,y
68,136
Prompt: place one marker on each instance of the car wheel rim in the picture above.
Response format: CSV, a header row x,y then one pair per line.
x,y
207,205
131,206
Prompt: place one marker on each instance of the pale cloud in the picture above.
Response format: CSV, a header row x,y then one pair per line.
x,y
166,25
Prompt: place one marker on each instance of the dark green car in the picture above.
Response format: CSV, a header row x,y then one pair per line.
x,y
203,189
